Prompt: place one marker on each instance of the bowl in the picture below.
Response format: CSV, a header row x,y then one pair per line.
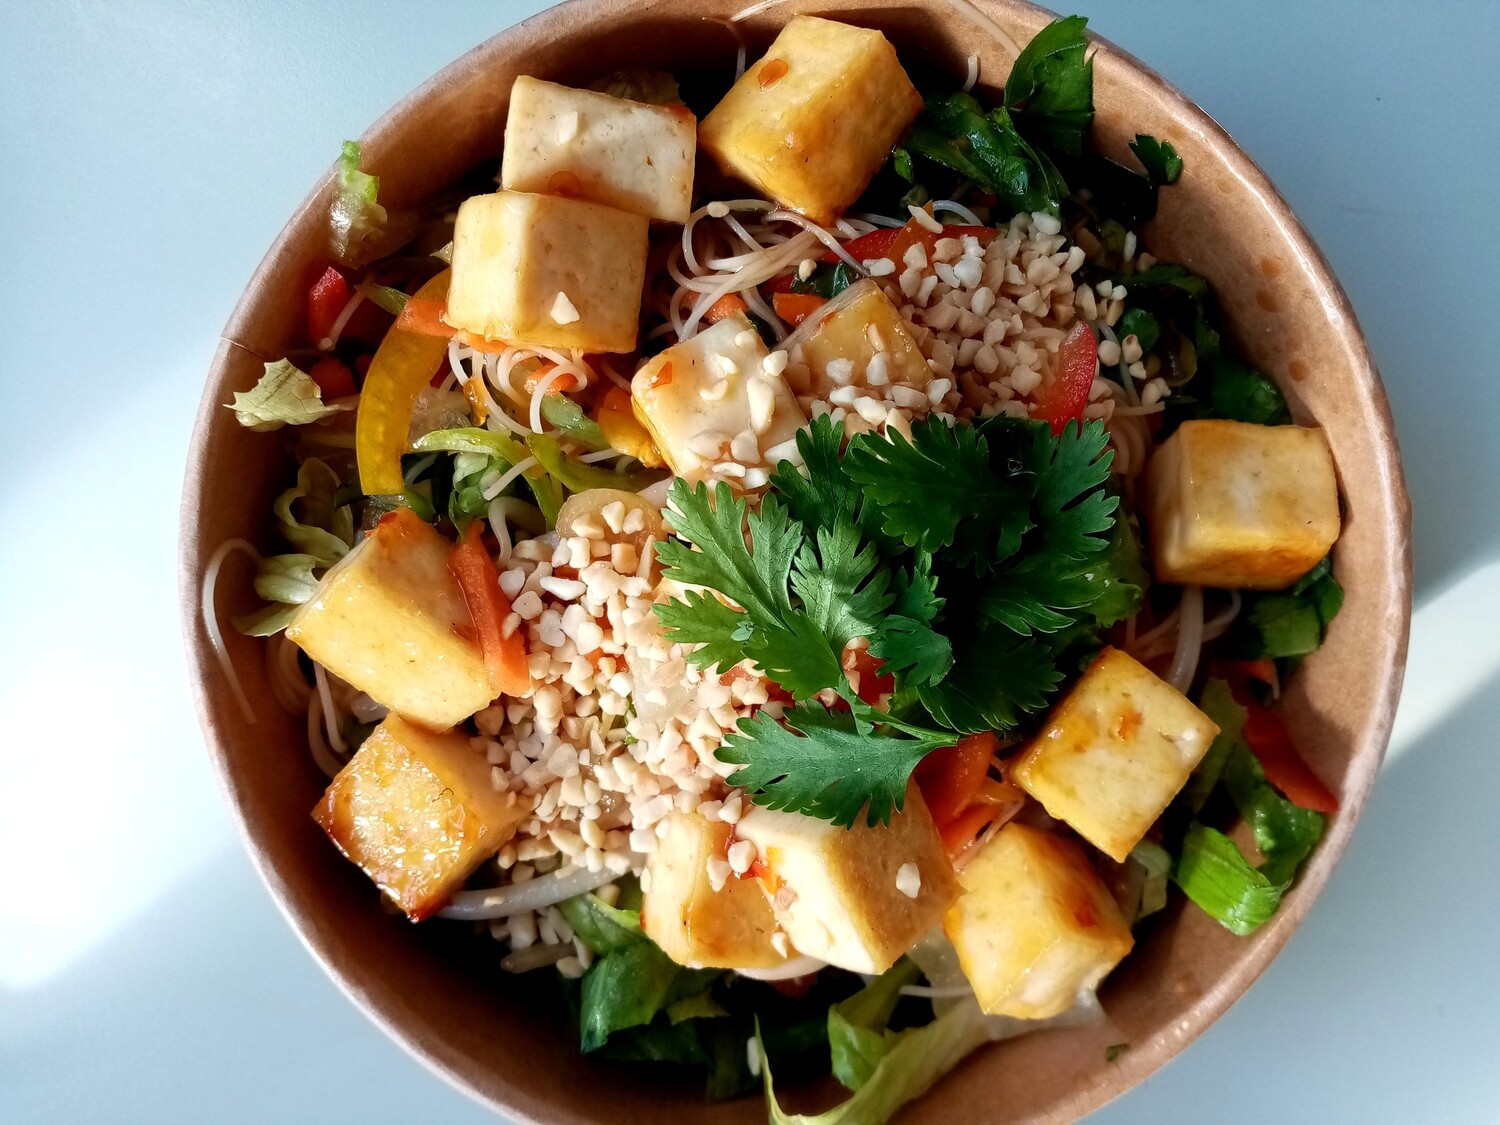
x,y
438,992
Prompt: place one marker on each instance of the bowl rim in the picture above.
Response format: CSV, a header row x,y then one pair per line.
x,y
454,1067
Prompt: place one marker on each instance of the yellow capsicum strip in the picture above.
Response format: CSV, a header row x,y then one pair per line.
x,y
403,365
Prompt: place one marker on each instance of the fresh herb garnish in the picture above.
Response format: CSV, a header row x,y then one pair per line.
x,y
1159,158
1051,86
969,592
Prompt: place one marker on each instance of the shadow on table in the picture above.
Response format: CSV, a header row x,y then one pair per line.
x,y
1394,969
206,1010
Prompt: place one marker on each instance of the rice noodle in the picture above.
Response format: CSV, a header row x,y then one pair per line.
x,y
958,209
329,342
878,220
325,759
501,528
787,970
1189,640
753,10
535,894
419,467
210,615
822,235
971,77
330,712
599,455
509,475
927,992
539,392
1216,626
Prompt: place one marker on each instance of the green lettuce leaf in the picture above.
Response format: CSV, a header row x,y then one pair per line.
x,y
907,1071
601,927
576,476
629,986
284,395
858,1035
359,228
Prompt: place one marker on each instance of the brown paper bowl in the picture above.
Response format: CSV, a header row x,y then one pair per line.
x,y
437,991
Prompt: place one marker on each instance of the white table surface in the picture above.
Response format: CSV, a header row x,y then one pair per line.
x,y
149,152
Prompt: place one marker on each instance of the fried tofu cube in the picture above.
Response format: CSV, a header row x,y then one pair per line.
x,y
585,145
728,928
860,324
548,272
1035,925
390,620
813,121
1239,505
854,897
416,811
1114,753
711,400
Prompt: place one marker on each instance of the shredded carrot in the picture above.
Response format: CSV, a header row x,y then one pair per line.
x,y
480,343
727,305
960,833
950,783
568,382
794,308
663,376
504,657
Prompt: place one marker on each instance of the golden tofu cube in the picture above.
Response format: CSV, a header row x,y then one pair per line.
x,y
1238,505
1114,753
728,928
813,121
416,811
548,272
854,897
1035,925
699,396
391,620
860,324
623,154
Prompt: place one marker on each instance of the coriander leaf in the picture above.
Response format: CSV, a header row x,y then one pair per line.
x,y
1072,508
1243,394
956,132
831,770
699,618
925,486
1051,85
905,640
825,493
1163,276
1142,325
993,685
784,641
754,579
284,395
840,583
1159,158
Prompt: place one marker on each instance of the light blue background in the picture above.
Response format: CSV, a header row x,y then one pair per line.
x,y
149,153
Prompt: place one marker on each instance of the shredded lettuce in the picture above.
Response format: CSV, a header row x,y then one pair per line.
x,y
907,1071
573,423
575,476
310,519
285,395
360,229
471,439
1210,868
858,1037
